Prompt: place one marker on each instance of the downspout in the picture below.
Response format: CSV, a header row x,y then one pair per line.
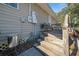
x,y
30,9
30,15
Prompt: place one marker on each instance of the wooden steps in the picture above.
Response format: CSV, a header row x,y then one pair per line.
x,y
46,51
53,48
58,43
53,36
52,39
55,41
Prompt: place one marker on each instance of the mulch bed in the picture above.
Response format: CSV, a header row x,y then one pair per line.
x,y
15,50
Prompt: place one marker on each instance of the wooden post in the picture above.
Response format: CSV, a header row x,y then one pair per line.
x,y
66,41
66,36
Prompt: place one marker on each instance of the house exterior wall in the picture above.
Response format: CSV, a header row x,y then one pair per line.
x,y
11,19
42,16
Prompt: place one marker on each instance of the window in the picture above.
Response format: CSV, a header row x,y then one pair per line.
x,y
14,5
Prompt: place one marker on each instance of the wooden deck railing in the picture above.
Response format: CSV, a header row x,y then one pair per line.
x,y
68,40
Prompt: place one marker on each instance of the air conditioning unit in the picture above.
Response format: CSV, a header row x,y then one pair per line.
x,y
34,18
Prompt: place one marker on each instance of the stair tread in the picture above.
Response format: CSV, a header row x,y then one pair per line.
x,y
46,51
60,44
56,49
53,36
49,39
53,39
50,45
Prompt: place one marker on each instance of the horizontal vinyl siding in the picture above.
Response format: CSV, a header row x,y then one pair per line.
x,y
41,16
9,23
10,20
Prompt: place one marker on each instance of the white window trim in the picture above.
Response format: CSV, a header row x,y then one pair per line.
x,y
11,6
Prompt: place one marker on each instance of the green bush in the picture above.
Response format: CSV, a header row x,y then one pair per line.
x,y
31,40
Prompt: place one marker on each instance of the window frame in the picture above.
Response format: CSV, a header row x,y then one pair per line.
x,y
12,6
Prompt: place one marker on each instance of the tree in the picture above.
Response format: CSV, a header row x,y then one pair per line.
x,y
61,15
73,11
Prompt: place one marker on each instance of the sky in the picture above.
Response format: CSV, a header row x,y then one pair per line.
x,y
57,7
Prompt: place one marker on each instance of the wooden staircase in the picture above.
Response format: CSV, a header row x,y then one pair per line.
x,y
52,46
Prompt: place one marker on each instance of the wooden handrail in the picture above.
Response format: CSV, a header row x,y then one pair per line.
x,y
66,37
66,41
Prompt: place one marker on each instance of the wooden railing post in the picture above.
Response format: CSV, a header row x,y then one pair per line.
x,y
66,41
65,36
